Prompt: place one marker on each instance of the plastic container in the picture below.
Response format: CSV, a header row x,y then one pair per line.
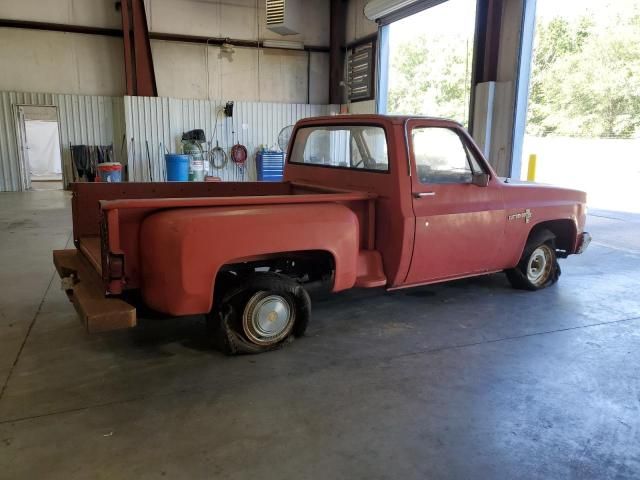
x,y
110,172
177,167
196,170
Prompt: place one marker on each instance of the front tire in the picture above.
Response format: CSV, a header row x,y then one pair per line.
x,y
538,267
262,313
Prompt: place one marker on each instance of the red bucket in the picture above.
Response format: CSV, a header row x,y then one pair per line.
x,y
110,172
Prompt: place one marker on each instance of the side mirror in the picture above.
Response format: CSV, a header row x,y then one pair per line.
x,y
480,179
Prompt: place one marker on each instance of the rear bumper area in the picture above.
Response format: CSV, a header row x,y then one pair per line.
x,y
583,242
84,288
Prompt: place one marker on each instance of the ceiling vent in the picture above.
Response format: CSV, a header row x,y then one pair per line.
x,y
283,16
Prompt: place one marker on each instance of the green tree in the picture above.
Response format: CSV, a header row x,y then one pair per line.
x,y
585,76
431,77
554,43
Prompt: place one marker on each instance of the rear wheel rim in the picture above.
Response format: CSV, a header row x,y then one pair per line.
x,y
539,265
268,318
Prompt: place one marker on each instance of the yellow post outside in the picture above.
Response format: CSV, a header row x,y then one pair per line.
x,y
531,171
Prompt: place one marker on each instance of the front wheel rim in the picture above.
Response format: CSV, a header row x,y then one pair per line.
x,y
268,318
539,265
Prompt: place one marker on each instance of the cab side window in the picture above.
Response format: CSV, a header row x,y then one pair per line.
x,y
442,157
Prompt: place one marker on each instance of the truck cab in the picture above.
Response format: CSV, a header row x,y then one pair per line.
x,y
441,211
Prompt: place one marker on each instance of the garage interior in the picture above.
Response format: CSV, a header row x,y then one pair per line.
x,y
466,379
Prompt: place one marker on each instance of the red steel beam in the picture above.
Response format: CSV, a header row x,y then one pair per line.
x,y
145,74
129,66
139,72
337,37
487,42
492,45
486,48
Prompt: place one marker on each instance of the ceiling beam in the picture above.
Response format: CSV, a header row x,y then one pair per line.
x,y
169,37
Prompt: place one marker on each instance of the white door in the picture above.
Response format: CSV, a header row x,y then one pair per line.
x,y
43,150
39,139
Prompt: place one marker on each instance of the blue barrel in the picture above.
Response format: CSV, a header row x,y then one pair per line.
x,y
177,167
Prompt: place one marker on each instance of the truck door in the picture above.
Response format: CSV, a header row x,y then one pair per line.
x,y
459,224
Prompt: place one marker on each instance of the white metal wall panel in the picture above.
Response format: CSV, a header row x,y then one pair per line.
x,y
147,121
119,129
9,170
161,122
82,119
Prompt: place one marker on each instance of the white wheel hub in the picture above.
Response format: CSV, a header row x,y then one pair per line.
x,y
268,318
539,265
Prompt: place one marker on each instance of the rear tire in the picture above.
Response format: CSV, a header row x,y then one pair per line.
x,y
263,312
538,267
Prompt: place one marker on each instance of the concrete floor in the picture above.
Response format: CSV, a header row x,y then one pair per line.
x,y
466,380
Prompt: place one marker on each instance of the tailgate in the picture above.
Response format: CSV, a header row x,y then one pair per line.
x,y
85,289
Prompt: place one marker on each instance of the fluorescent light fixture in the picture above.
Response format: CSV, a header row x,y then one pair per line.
x,y
286,44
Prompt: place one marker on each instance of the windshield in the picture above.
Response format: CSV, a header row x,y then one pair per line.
x,y
344,146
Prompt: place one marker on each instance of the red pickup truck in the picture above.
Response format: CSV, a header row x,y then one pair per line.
x,y
367,201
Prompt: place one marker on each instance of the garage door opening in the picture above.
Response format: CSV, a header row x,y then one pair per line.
x,y
583,122
430,59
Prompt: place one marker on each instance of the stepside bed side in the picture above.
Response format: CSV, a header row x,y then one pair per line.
x,y
182,250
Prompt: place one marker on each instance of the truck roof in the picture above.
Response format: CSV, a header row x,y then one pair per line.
x,y
372,117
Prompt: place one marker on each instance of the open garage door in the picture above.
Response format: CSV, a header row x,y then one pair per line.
x,y
583,122
430,61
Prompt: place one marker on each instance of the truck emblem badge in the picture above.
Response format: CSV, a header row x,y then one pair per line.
x,y
526,215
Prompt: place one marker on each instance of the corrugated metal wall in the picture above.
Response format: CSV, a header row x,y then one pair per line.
x,y
161,122
97,120
83,119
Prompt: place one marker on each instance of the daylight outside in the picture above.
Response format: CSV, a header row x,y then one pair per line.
x,y
583,119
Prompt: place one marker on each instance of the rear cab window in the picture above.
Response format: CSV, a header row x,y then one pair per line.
x,y
354,147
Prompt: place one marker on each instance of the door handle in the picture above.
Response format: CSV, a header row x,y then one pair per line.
x,y
424,194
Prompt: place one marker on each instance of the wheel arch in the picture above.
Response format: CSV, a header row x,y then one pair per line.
x,y
319,265
555,233
564,230
321,261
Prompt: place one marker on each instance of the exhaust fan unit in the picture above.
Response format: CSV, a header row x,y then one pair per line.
x,y
283,16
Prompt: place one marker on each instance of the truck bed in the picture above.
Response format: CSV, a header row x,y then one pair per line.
x,y
109,215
